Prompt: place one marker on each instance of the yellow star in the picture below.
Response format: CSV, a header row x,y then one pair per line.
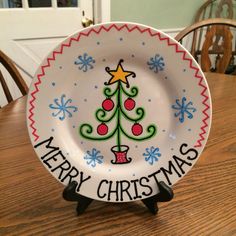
x,y
119,74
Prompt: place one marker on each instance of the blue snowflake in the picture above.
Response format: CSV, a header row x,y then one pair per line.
x,y
152,155
156,63
93,157
85,62
183,108
62,107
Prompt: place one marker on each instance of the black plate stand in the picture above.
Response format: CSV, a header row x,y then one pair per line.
x,y
165,195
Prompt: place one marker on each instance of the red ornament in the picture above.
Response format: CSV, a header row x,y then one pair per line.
x,y
129,104
137,129
107,104
102,129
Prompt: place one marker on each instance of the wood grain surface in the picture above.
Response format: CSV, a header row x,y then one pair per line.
x,y
31,200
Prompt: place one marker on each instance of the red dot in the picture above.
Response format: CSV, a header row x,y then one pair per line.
x,y
129,104
102,129
137,129
108,104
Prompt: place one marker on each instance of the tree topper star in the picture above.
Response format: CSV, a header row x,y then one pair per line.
x,y
119,74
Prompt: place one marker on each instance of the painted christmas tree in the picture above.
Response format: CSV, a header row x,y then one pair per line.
x,y
116,107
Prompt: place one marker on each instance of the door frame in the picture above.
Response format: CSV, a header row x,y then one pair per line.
x,y
102,11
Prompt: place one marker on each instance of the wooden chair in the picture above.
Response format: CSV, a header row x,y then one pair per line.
x,y
218,41
10,67
216,9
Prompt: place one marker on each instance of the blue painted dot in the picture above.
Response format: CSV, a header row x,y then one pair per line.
x,y
121,39
53,83
143,43
98,43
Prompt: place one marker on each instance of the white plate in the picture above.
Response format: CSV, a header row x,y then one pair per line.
x,y
146,84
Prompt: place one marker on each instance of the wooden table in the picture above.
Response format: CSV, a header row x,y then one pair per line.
x,y
204,202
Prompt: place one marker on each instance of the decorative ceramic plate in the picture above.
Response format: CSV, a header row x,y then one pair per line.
x,y
117,107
